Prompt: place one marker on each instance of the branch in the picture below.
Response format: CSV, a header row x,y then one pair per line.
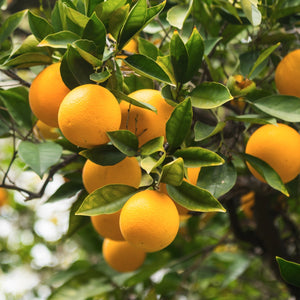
x,y
14,76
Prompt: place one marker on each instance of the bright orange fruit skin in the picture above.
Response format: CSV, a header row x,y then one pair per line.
x,y
149,220
279,146
122,256
46,93
87,113
144,123
287,74
107,225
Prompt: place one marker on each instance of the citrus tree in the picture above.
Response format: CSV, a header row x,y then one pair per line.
x,y
174,125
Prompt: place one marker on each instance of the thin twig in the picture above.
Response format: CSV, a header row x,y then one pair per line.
x,y
14,76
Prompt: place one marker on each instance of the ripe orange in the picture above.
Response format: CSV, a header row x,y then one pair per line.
x,y
247,203
122,256
144,123
193,174
107,225
43,131
287,74
46,94
149,220
87,113
126,171
131,46
278,145
3,196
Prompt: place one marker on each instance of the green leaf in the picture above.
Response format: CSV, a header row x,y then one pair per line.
x,y
105,9
217,180
179,123
65,191
179,57
39,26
100,77
124,97
30,44
77,222
290,271
104,155
209,44
267,172
29,59
210,95
151,162
147,67
177,15
251,11
134,22
58,18
263,56
106,200
125,141
152,146
59,39
173,172
84,285
194,198
10,24
199,157
253,119
17,106
95,31
283,107
76,17
88,51
40,156
147,48
117,20
195,50
204,131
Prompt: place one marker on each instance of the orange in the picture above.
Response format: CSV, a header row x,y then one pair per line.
x,y
247,203
126,172
149,220
46,94
279,146
107,225
122,256
87,113
131,46
193,174
287,74
3,196
144,123
43,131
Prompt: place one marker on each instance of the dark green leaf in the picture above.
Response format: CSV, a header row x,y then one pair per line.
x,y
88,51
39,26
195,50
267,172
204,131
40,156
147,48
29,59
179,57
65,191
217,180
59,40
125,141
210,95
76,17
100,77
106,200
283,107
194,198
106,8
147,67
173,172
96,32
58,17
209,44
10,24
253,119
179,123
263,56
199,157
66,74
290,271
77,222
117,20
17,106
105,155
30,44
